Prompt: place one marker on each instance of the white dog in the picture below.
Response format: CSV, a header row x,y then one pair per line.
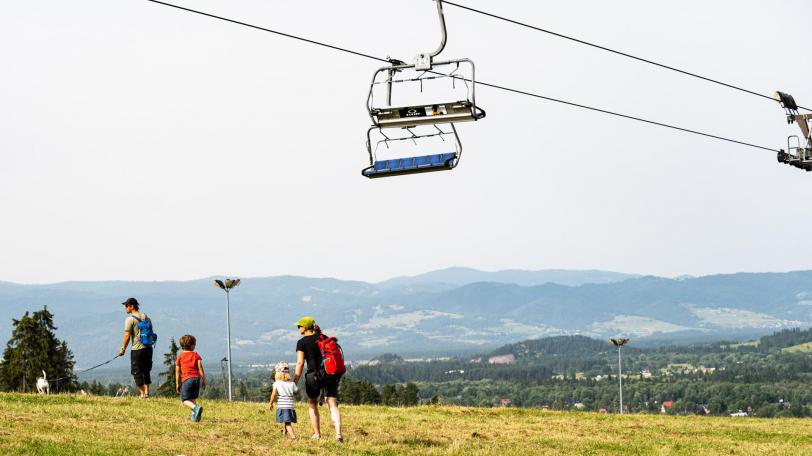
x,y
42,384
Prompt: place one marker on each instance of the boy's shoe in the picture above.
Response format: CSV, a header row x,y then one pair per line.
x,y
198,414
194,417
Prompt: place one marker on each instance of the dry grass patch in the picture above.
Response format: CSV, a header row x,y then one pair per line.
x,y
62,425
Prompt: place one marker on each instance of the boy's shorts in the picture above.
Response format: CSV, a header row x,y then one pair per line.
x,y
190,389
285,415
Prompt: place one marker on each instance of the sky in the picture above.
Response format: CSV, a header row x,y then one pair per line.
x,y
139,142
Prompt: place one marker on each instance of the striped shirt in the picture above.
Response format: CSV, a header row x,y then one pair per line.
x,y
285,392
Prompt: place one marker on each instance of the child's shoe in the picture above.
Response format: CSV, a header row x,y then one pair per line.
x,y
198,414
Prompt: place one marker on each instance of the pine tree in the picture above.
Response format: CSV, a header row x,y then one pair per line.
x,y
367,393
242,390
169,387
389,395
409,395
34,348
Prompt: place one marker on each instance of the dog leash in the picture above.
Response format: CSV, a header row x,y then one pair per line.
x,y
88,369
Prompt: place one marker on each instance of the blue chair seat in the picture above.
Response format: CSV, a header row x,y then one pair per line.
x,y
410,165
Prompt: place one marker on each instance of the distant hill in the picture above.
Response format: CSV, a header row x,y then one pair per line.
x,y
462,276
412,320
574,346
792,339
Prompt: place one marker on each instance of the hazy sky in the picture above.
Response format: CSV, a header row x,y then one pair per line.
x,y
142,142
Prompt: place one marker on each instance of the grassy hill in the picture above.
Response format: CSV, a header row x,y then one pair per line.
x,y
56,425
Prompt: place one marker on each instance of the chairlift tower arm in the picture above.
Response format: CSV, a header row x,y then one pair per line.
x,y
799,155
803,121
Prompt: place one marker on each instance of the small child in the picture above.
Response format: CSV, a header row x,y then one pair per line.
x,y
284,392
189,375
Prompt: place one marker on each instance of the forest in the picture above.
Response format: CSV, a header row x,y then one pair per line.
x,y
764,377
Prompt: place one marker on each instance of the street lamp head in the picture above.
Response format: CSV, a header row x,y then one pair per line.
x,y
231,283
219,283
619,342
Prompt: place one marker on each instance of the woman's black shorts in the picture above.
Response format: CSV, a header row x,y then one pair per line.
x,y
140,365
317,381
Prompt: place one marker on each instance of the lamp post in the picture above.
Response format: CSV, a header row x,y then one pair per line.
x,y
619,343
226,285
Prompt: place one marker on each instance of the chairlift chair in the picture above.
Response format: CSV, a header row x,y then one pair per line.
x,y
424,112
385,167
797,154
396,122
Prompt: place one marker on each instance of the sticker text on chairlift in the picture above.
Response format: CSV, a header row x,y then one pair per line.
x,y
413,112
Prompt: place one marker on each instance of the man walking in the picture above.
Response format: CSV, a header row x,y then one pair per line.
x,y
141,352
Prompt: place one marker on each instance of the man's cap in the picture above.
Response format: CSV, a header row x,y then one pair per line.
x,y
130,302
306,322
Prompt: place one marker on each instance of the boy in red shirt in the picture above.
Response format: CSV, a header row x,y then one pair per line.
x,y
189,375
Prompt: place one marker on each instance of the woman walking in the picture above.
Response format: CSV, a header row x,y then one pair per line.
x,y
316,379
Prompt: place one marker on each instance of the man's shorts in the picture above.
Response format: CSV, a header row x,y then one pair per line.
x,y
190,389
317,381
140,365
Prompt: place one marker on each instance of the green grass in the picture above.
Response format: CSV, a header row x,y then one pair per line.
x,y
751,343
800,348
71,425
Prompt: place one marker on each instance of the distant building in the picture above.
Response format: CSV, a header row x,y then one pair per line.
x,y
505,402
603,410
578,406
738,414
665,406
502,359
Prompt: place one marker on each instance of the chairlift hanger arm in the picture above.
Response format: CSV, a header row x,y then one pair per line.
x,y
443,30
424,61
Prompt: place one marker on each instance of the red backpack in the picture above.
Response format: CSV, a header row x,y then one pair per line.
x,y
332,357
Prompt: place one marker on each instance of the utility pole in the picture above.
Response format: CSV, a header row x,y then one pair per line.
x,y
227,285
619,343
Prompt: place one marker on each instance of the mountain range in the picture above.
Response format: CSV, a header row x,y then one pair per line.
x,y
441,312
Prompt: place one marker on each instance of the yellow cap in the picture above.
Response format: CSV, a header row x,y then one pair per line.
x,y
306,322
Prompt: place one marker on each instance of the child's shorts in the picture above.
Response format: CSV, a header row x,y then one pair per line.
x,y
190,389
285,416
